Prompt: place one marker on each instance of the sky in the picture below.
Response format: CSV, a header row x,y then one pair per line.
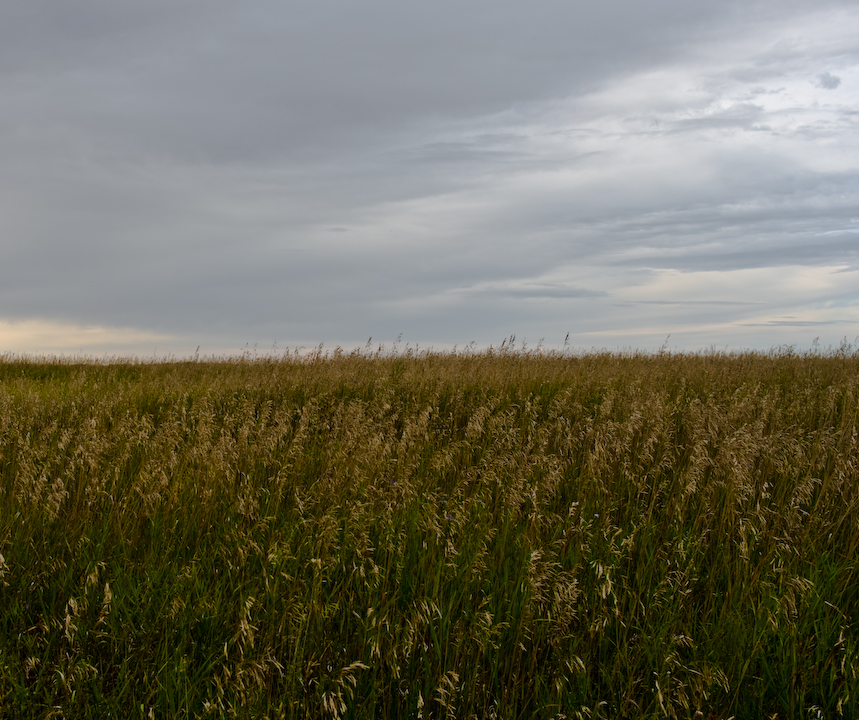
x,y
270,175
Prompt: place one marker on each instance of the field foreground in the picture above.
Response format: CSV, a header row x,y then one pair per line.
x,y
483,535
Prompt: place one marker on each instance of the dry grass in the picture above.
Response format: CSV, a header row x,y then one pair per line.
x,y
484,534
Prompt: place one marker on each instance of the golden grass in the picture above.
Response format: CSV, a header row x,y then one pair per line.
x,y
498,534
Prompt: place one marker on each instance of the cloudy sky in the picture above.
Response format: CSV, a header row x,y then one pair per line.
x,y
230,175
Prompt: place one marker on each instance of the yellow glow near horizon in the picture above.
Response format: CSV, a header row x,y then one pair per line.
x,y
50,337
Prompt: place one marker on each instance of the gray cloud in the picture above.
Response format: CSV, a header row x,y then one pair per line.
x,y
828,81
531,291
228,173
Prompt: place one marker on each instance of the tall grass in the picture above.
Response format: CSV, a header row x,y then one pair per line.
x,y
473,535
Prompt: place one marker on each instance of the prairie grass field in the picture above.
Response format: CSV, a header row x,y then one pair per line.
x,y
502,534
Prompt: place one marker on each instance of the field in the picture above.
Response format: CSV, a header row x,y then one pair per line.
x,y
501,534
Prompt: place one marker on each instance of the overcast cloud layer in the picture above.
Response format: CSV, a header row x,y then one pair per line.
x,y
225,174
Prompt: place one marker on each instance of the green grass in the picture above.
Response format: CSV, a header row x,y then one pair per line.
x,y
484,534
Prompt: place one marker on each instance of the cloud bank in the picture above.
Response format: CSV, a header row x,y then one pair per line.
x,y
225,175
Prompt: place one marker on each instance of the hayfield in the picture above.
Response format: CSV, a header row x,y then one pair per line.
x,y
499,534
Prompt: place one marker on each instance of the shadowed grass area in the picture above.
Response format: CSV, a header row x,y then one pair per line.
x,y
499,534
